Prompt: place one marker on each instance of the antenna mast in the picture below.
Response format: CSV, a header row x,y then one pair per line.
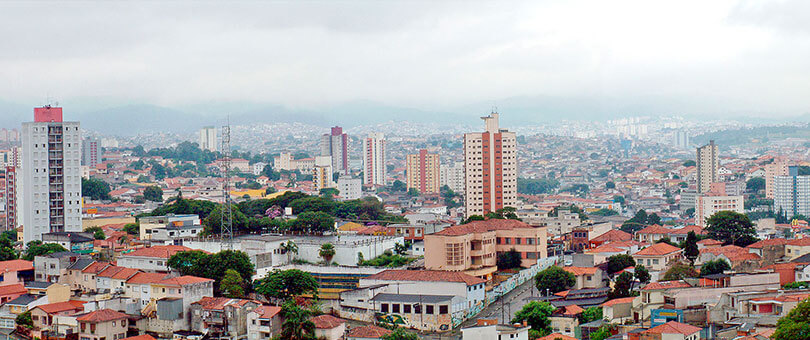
x,y
226,225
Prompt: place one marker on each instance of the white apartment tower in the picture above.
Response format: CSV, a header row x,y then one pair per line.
x,y
50,174
91,152
708,166
490,168
452,175
208,138
374,171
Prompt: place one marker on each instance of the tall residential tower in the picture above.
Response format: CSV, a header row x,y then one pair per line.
x,y
335,144
374,170
51,174
423,172
708,166
490,168
208,139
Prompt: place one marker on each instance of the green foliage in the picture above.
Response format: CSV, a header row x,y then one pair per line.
x,y
449,197
297,324
400,334
797,285
474,218
213,223
329,192
639,221
400,249
399,186
618,262
268,172
508,260
536,314
623,286
24,320
97,232
153,193
37,248
641,274
755,184
604,212
132,228
530,186
610,185
689,163
581,190
731,228
313,203
387,259
554,279
714,267
96,189
591,314
795,325
285,284
314,222
680,271
690,248
186,206
212,266
232,285
413,192
327,251
618,199
185,151
667,241
602,333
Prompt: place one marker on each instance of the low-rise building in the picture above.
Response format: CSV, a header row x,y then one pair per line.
x,y
328,327
658,256
264,322
79,243
369,332
222,317
672,330
490,329
102,324
151,259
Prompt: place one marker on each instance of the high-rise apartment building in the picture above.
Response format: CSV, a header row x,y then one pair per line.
x,y
792,193
51,174
91,152
779,167
349,188
452,175
716,200
335,144
708,166
374,160
490,168
11,198
322,173
423,172
208,139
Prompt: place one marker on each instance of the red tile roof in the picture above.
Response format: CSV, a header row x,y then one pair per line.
x,y
768,242
572,310
654,229
267,312
685,230
52,308
708,241
605,248
18,288
802,242
326,321
219,303
16,265
666,285
102,315
96,267
141,278
555,336
184,280
368,332
673,327
164,252
614,302
426,275
724,250
658,249
581,270
613,235
477,227
140,337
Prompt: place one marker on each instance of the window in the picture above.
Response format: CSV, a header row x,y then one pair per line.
x,y
443,309
429,309
406,309
395,308
384,308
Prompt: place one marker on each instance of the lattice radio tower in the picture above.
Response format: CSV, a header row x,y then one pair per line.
x,y
226,224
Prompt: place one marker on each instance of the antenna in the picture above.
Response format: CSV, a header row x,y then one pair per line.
x,y
226,225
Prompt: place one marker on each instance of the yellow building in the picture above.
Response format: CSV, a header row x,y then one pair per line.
x,y
423,172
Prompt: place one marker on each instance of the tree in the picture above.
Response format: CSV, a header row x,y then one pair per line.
x,y
400,248
24,320
795,325
132,228
314,222
554,279
618,262
639,221
610,185
604,212
413,192
153,193
680,271
327,251
400,334
399,186
297,324
280,285
755,184
268,172
96,189
474,218
536,314
232,285
689,163
37,248
641,274
289,248
329,192
690,248
530,186
508,260
731,228
623,286
591,314
98,233
602,333
714,267
212,266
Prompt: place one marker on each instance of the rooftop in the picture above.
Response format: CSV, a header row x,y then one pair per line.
x,y
658,249
673,327
326,321
101,315
426,275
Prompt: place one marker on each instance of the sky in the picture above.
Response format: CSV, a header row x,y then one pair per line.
x,y
726,57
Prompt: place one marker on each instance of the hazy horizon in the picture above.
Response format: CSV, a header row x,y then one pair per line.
x,y
352,60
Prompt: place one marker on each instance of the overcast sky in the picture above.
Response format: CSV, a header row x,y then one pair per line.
x,y
740,55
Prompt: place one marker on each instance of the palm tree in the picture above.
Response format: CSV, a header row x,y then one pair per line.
x,y
297,324
327,252
290,247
